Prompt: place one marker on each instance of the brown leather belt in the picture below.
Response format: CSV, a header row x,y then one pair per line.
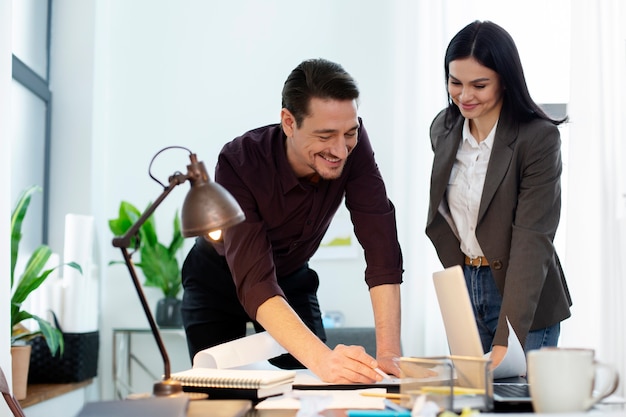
x,y
478,261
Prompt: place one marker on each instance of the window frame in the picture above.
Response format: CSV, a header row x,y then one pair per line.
x,y
33,82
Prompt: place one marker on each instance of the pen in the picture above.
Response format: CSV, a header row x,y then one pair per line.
x,y
377,413
381,373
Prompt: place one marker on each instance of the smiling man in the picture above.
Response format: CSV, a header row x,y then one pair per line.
x,y
289,179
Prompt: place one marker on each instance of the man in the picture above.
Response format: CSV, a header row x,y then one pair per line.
x,y
289,179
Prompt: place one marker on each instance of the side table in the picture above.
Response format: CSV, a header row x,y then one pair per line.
x,y
124,358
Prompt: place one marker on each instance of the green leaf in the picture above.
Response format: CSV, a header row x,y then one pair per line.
x,y
17,218
158,263
53,336
19,315
177,238
127,216
32,277
160,269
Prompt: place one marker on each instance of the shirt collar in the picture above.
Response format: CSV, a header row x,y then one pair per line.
x,y
469,138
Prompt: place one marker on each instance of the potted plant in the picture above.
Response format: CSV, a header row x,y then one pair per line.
x,y
158,263
30,279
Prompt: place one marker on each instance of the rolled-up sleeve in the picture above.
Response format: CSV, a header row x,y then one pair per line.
x,y
373,216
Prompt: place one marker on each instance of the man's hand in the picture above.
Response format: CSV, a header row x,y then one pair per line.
x,y
346,364
389,364
341,365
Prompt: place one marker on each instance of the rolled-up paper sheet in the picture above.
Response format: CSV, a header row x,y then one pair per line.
x,y
239,352
79,305
514,362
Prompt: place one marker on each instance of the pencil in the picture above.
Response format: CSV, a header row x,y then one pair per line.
x,y
389,396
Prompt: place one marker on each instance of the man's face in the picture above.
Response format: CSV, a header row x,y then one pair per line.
x,y
325,138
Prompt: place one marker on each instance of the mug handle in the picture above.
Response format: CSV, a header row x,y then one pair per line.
x,y
609,389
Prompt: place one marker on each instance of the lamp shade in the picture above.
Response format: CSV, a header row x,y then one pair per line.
x,y
208,206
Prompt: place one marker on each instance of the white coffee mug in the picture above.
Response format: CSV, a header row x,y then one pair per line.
x,y
566,379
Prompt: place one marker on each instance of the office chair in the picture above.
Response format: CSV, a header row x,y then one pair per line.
x,y
13,404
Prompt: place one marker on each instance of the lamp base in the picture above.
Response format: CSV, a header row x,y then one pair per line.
x,y
167,388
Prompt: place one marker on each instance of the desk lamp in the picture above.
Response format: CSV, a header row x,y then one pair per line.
x,y
207,208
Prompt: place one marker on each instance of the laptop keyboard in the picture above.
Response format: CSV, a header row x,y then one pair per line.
x,y
511,390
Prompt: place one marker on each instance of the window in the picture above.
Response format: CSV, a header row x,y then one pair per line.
x,y
31,103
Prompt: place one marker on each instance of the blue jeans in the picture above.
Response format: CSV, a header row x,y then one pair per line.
x,y
486,302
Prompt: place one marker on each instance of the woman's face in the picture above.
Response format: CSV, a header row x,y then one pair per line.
x,y
475,89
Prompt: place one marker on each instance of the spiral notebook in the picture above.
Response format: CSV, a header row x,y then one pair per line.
x,y
236,383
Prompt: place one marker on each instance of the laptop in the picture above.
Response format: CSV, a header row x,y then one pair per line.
x,y
464,339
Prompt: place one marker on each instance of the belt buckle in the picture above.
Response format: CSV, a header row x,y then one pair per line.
x,y
478,262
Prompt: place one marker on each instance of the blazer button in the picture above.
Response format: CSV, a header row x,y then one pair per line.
x,y
497,265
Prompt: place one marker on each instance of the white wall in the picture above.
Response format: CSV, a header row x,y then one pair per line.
x,y
5,191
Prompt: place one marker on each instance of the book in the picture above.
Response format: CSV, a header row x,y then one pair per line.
x,y
236,383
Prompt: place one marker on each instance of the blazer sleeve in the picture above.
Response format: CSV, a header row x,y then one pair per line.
x,y
531,257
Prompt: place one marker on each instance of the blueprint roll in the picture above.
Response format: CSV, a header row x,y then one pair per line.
x,y
79,308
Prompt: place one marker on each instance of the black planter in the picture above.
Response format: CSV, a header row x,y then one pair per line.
x,y
168,313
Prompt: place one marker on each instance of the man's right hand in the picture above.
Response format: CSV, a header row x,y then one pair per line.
x,y
343,364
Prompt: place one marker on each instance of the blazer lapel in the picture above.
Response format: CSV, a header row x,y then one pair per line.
x,y
499,161
446,146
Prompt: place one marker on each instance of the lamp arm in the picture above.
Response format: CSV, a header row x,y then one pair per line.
x,y
146,309
123,242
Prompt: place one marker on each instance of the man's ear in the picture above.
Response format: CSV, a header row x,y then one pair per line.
x,y
288,122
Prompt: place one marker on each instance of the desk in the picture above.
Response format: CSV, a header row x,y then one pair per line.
x,y
124,358
219,408
293,413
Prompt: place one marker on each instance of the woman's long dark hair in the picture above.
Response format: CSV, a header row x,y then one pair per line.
x,y
494,48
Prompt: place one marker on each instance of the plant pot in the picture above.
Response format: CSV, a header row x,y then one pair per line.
x,y
20,360
168,312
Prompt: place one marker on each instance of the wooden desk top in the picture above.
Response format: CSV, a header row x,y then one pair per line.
x,y
219,408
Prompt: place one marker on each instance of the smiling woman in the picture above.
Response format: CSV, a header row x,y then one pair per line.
x,y
495,198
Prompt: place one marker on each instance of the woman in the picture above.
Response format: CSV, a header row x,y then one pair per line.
x,y
495,197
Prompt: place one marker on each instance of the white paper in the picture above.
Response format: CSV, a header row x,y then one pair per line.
x,y
240,352
514,361
307,377
325,399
